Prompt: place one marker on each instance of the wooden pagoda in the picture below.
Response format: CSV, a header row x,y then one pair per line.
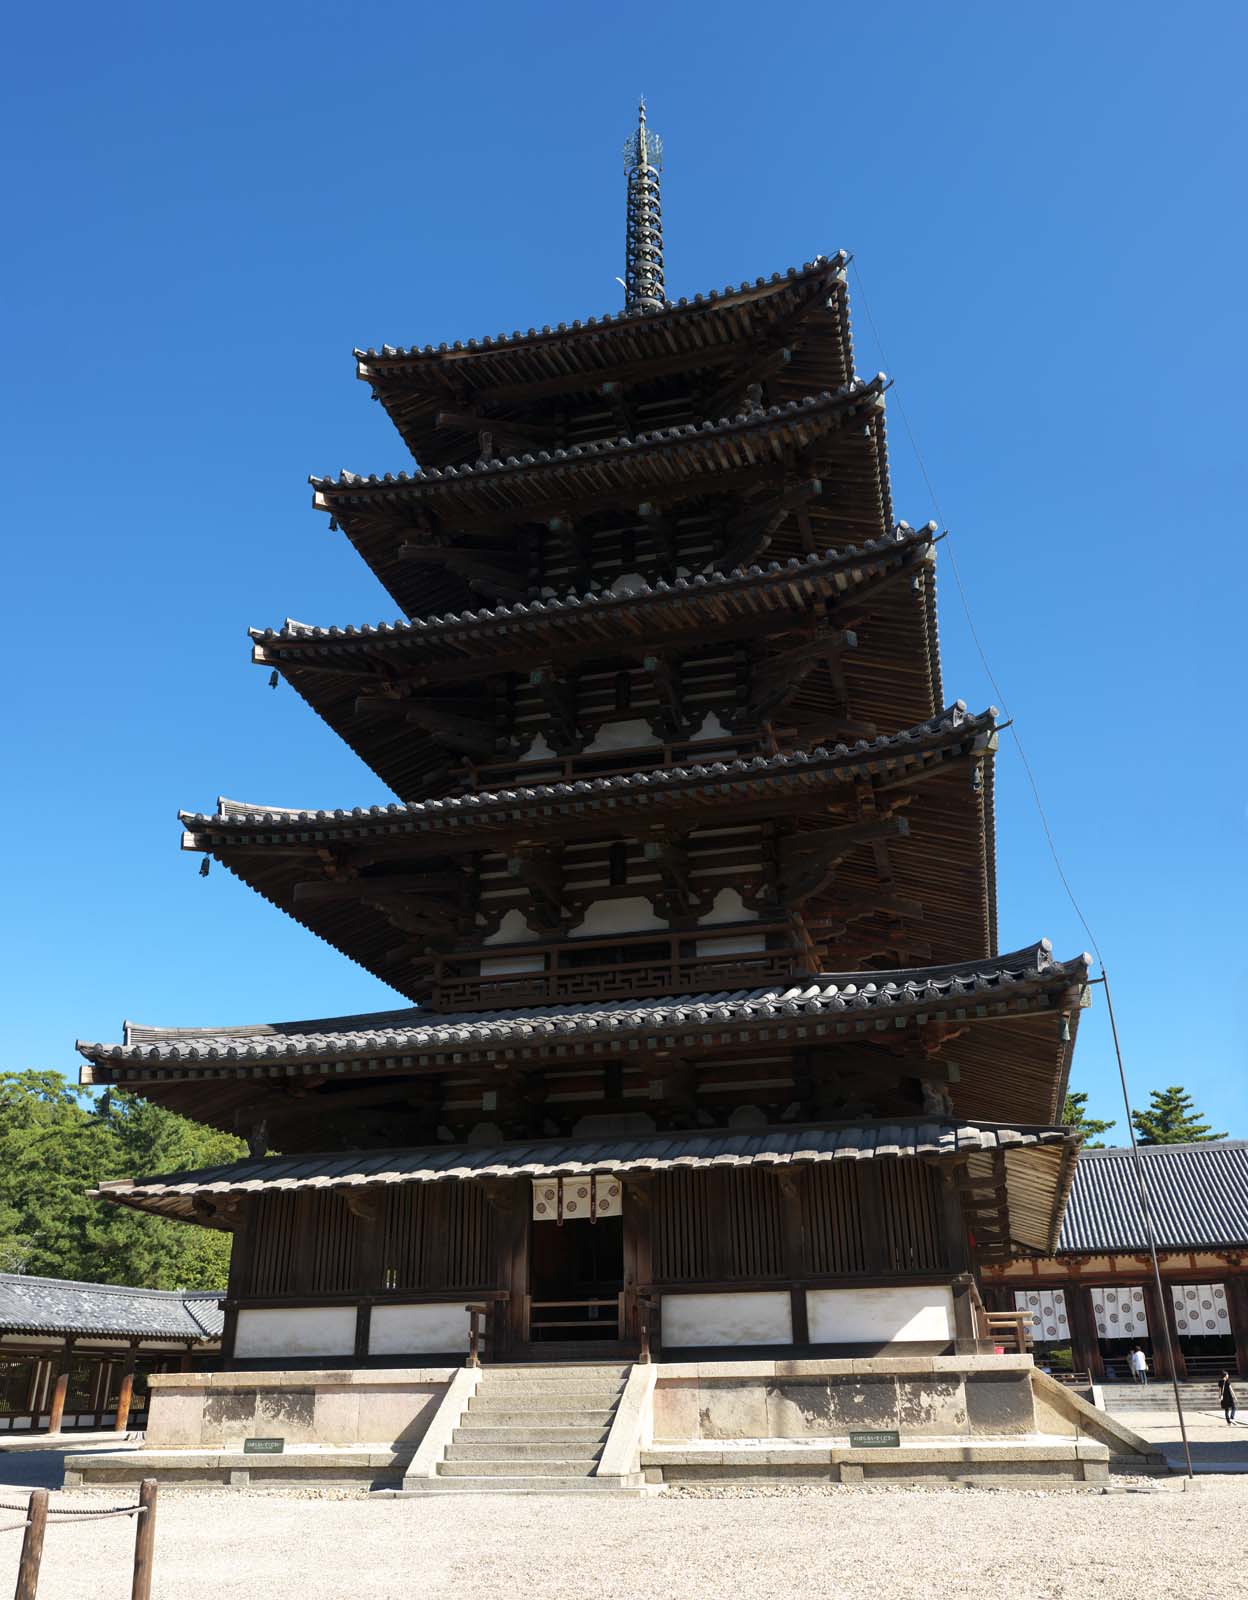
x,y
689,881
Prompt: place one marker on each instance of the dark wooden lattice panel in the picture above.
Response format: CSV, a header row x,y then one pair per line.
x,y
437,1236
832,1221
913,1230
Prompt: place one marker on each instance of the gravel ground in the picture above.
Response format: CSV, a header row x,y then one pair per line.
x,y
834,1543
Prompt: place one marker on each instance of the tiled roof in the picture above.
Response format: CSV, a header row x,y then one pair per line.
x,y
859,390
549,1158
1198,1196
405,1032
710,585
865,756
60,1305
608,320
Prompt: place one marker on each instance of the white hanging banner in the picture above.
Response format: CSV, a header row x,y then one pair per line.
x,y
1047,1310
1200,1309
576,1199
1120,1313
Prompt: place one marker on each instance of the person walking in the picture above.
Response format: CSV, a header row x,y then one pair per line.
x,y
1138,1362
1226,1398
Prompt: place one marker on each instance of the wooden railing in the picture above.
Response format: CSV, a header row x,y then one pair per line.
x,y
1007,1326
478,1332
613,1307
587,980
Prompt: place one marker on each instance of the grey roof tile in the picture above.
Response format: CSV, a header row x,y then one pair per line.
x,y
624,318
585,1157
242,813
648,594
406,1031
859,389
1198,1195
62,1305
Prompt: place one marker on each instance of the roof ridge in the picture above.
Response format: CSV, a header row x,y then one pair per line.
x,y
855,389
950,718
609,320
805,995
902,534
130,1289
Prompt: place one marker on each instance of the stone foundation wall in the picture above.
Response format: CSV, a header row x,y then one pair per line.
x,y
920,1396
209,1410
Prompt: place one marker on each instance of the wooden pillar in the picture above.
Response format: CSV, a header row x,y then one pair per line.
x,y
35,1385
229,1329
637,1196
966,1340
1160,1320
1085,1347
61,1387
511,1200
126,1391
796,1255
1237,1308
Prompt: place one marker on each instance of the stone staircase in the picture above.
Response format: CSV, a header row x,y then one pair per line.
x,y
532,1429
1158,1395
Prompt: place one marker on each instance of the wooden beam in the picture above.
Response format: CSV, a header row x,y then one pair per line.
x,y
489,568
359,888
472,735
774,681
808,861
750,531
500,427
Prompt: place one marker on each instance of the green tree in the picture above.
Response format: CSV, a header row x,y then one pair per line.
x,y
1171,1118
56,1142
1075,1115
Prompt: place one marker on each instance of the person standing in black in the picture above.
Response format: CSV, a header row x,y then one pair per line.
x,y
1226,1398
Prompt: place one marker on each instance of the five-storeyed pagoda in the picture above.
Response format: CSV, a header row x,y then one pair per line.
x,y
689,882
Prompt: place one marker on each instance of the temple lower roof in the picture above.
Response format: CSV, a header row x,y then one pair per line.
x,y
1038,1164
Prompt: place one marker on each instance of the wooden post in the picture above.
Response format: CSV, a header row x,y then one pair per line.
x,y
62,1387
126,1392
966,1329
636,1194
792,1186
36,1384
144,1541
32,1546
1158,1325
1085,1347
1237,1306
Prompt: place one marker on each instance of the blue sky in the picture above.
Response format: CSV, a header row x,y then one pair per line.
x,y
209,208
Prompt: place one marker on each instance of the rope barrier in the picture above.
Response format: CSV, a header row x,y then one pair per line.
x,y
1146,1208
80,1511
8,1527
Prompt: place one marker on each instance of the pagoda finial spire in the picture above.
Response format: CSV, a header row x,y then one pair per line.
x,y
643,264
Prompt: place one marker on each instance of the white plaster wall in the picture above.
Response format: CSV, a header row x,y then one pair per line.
x,y
727,906
512,929
621,736
632,915
712,728
862,1316
403,1330
499,965
758,1318
296,1331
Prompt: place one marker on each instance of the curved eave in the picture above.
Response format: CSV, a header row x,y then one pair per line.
x,y
331,667
939,862
664,355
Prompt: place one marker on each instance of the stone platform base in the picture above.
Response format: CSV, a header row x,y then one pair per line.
x,y
374,1466
1035,1460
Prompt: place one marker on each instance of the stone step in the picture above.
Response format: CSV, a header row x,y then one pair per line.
x,y
570,1436
412,1487
507,1469
554,1374
575,1389
552,1417
519,1452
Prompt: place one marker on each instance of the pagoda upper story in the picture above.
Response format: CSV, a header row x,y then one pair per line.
x,y
664,709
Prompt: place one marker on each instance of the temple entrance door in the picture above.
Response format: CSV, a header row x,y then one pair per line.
x,y
576,1270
